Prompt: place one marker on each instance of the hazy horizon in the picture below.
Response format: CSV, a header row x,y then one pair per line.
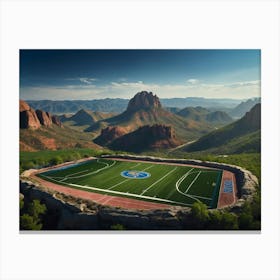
x,y
99,74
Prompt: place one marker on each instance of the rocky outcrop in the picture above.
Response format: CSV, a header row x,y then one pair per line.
x,y
143,100
28,117
145,138
73,213
44,118
56,121
109,134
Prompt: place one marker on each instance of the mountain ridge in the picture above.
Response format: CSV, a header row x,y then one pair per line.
x,y
236,132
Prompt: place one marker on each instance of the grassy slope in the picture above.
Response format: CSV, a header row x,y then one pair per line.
x,y
46,157
55,137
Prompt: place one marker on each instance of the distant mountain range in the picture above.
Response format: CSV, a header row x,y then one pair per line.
x,y
145,124
119,105
237,137
244,107
204,115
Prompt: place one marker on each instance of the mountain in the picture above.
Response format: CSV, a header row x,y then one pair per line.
x,y
205,115
146,109
146,138
109,134
243,107
218,117
72,106
86,117
200,101
193,113
119,105
40,130
30,119
240,136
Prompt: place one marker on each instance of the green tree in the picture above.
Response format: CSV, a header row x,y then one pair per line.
x,y
36,209
229,221
118,227
21,203
56,160
28,222
200,214
245,221
215,220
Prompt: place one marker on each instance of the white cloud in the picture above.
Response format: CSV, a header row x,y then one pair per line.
x,y
238,90
193,81
84,80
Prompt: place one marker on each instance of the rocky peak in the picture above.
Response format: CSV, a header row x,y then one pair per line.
x,y
158,131
56,121
109,134
23,106
44,117
143,100
28,117
147,137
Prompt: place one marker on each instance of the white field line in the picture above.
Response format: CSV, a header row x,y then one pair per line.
x,y
78,172
203,197
118,184
180,181
127,179
94,172
129,194
159,180
66,177
186,191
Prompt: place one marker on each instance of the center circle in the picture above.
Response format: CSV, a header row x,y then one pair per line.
x,y
134,174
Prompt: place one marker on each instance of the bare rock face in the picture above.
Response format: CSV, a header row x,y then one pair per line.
x,y
109,134
147,137
32,119
23,106
44,118
28,117
143,100
56,121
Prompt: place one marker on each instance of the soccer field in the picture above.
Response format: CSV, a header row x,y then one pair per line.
x,y
163,183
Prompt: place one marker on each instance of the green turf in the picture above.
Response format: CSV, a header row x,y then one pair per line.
x,y
176,185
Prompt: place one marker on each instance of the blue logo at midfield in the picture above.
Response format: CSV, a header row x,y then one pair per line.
x,y
134,174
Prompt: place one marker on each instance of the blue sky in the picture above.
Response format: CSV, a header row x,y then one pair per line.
x,y
95,74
